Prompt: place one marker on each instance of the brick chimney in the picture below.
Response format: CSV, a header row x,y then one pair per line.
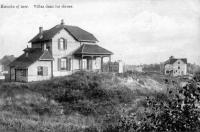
x,y
40,30
62,22
171,57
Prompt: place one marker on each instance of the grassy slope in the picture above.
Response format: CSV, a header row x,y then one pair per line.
x,y
80,102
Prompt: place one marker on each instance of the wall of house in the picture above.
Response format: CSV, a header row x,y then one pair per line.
x,y
19,75
75,64
33,71
40,45
179,68
72,45
36,45
168,68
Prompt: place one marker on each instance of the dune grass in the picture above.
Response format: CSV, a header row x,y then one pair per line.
x,y
84,101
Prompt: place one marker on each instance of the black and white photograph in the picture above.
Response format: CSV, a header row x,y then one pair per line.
x,y
100,66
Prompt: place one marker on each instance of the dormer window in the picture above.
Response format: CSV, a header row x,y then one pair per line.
x,y
62,44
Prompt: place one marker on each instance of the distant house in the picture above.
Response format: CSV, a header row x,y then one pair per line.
x,y
58,51
7,59
1,72
175,66
133,68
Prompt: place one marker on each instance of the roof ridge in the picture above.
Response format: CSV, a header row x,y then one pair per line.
x,y
76,32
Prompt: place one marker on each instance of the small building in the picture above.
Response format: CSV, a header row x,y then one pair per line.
x,y
116,67
175,66
59,51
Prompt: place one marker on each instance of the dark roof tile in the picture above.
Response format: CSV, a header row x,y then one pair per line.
x,y
76,32
34,54
173,60
92,49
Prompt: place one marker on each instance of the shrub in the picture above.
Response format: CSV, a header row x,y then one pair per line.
x,y
179,111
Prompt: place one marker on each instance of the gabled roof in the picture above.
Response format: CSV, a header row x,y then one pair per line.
x,y
76,32
173,60
34,54
92,49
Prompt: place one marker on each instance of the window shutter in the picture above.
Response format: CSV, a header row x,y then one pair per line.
x,y
65,43
58,43
59,64
70,64
45,71
67,64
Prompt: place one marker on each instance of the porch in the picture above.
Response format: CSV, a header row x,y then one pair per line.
x,y
91,57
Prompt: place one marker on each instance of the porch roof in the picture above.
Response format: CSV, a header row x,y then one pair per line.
x,y
92,49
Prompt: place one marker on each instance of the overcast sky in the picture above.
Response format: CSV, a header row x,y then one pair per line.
x,y
136,31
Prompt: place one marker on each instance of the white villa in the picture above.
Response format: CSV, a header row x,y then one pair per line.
x,y
175,67
59,51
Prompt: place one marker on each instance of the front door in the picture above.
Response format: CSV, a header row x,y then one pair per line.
x,y
89,64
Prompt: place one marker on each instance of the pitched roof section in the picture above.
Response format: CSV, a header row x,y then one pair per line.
x,y
34,54
76,32
46,56
92,50
173,60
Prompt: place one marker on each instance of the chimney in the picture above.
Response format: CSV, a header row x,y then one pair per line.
x,y
171,57
62,22
40,30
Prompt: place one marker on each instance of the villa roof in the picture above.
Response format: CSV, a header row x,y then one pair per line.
x,y
173,60
76,32
92,50
34,54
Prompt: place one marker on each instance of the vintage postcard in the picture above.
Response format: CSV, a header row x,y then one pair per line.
x,y
99,65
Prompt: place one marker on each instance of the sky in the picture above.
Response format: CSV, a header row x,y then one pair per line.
x,y
136,31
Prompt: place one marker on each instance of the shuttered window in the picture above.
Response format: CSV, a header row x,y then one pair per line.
x,y
62,44
64,64
42,71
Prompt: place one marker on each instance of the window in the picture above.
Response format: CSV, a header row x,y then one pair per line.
x,y
178,62
42,71
179,67
62,44
63,64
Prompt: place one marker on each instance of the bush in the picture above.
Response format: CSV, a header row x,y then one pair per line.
x,y
90,94
178,111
